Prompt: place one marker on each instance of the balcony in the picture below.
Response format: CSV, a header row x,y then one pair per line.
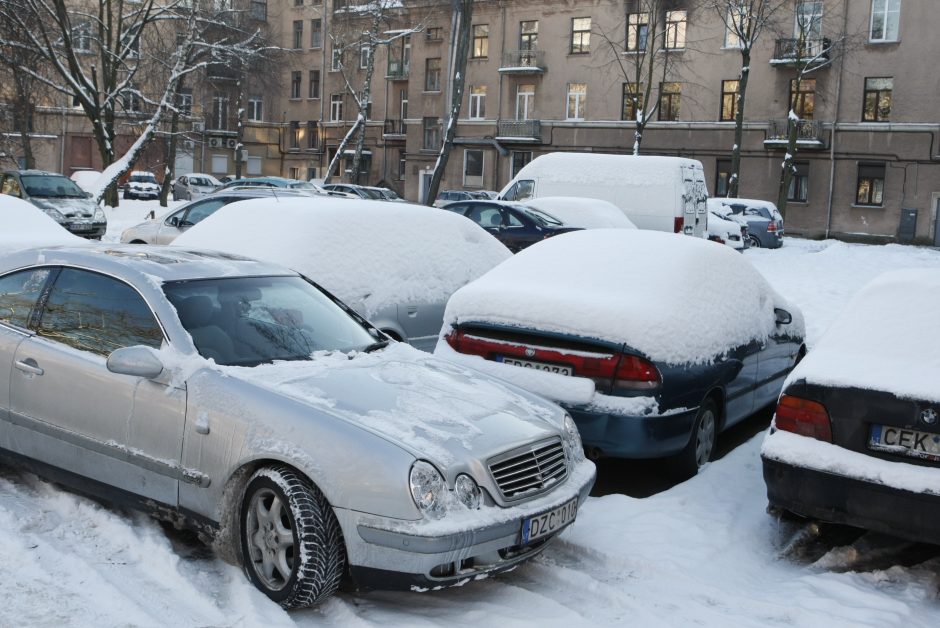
x,y
397,70
809,134
519,130
523,62
394,129
811,52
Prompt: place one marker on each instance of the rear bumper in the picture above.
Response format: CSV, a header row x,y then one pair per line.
x,y
842,499
624,436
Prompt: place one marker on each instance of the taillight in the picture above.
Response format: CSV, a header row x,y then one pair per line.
x,y
804,417
715,238
634,373
453,339
772,226
677,223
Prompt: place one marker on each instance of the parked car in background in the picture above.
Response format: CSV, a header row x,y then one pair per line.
x,y
586,213
269,182
232,396
856,435
764,222
726,231
394,263
141,185
387,194
654,361
169,226
448,196
515,225
361,191
191,186
59,198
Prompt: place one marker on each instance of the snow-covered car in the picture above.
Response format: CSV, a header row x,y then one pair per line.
x,y
726,231
652,359
189,187
764,221
394,263
86,179
142,185
59,198
586,213
26,226
856,435
237,397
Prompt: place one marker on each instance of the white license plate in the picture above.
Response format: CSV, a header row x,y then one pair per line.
x,y
906,442
82,226
549,522
538,366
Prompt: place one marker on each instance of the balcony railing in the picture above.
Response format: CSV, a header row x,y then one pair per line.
x,y
394,127
522,129
808,133
809,51
397,69
523,61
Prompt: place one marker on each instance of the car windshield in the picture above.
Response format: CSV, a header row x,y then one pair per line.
x,y
142,178
246,321
389,194
51,186
302,185
542,218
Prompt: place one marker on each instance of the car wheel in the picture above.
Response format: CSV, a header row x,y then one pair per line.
x,y
754,241
292,545
701,445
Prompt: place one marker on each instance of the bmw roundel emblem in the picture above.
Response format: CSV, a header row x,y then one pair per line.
x,y
530,353
929,416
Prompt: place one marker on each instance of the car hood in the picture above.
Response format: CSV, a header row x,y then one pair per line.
x,y
68,207
431,408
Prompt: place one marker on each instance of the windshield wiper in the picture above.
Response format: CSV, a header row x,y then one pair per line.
x,y
381,344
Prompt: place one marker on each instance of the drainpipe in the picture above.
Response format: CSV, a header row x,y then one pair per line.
x,y
835,125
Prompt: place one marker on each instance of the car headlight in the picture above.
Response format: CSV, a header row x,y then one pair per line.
x,y
427,489
573,439
468,492
99,215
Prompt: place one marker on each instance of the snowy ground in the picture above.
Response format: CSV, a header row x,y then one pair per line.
x,y
703,552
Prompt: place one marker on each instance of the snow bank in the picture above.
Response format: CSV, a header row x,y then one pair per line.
x,y
368,253
885,339
587,213
26,226
676,299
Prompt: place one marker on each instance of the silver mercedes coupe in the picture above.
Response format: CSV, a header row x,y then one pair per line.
x,y
240,399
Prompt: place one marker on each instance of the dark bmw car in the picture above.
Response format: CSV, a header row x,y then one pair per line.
x,y
856,437
515,225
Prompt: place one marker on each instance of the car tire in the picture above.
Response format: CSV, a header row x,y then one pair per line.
x,y
754,241
701,446
288,525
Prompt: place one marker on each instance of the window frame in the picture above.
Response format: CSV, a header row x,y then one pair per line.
x,y
580,102
298,34
296,81
480,41
673,98
675,29
336,107
477,103
734,95
316,33
886,38
255,110
800,110
874,189
634,105
477,180
313,84
432,75
430,130
798,192
581,35
877,93
640,26
528,39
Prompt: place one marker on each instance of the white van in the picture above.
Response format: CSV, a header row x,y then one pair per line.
x,y
659,193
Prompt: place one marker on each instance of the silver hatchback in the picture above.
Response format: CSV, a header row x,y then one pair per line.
x,y
238,398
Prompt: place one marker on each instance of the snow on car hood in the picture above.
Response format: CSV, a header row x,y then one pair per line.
x,y
368,253
675,298
587,213
885,339
26,226
431,407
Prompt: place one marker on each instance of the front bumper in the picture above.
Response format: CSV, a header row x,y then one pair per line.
x,y
626,436
87,230
392,554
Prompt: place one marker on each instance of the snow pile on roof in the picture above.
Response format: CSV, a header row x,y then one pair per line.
x,y
587,213
26,226
674,298
368,253
86,179
885,339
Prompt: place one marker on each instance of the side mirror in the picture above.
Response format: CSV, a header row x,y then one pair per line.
x,y
174,221
89,195
139,361
783,317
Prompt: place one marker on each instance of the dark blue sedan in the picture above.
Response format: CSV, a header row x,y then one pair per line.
x,y
515,225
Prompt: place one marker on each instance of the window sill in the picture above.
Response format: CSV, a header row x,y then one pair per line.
x,y
886,122
579,54
478,59
431,91
883,42
295,99
313,98
857,206
574,119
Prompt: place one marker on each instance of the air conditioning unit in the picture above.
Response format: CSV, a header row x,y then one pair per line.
x,y
231,143
214,142
199,126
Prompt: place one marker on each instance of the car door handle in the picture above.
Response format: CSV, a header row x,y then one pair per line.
x,y
29,366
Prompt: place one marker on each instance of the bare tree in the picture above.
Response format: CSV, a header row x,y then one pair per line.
x,y
745,21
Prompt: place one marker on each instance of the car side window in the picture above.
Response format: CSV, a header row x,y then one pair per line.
x,y
201,211
486,216
11,186
520,190
511,219
18,294
99,314
458,208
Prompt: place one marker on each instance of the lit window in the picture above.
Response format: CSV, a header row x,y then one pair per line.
x,y
669,94
730,90
478,102
877,102
577,100
481,41
871,184
675,30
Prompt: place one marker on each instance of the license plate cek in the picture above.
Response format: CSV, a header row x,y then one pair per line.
x,y
906,442
534,528
539,366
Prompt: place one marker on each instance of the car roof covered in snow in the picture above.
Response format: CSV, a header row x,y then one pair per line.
x,y
27,226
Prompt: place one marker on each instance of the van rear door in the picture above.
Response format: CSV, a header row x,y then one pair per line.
x,y
694,202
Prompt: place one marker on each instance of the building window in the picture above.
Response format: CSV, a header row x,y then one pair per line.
x,y
255,108
336,59
730,90
518,160
799,183
295,134
130,99
675,30
577,100
184,101
638,28
669,94
735,25
81,37
432,133
478,102
885,17
722,177
877,103
529,35
257,10
808,19
313,138
336,107
220,111
295,84
298,33
434,33
253,165
631,95
293,172
220,163
316,33
481,41
580,35
313,89
311,173
364,53
473,168
525,102
402,104
432,75
402,164
871,185
803,102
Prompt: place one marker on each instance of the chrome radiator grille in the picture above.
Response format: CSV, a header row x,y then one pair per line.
x,y
529,470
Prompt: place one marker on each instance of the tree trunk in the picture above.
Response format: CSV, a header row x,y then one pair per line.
x,y
734,182
169,170
365,96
